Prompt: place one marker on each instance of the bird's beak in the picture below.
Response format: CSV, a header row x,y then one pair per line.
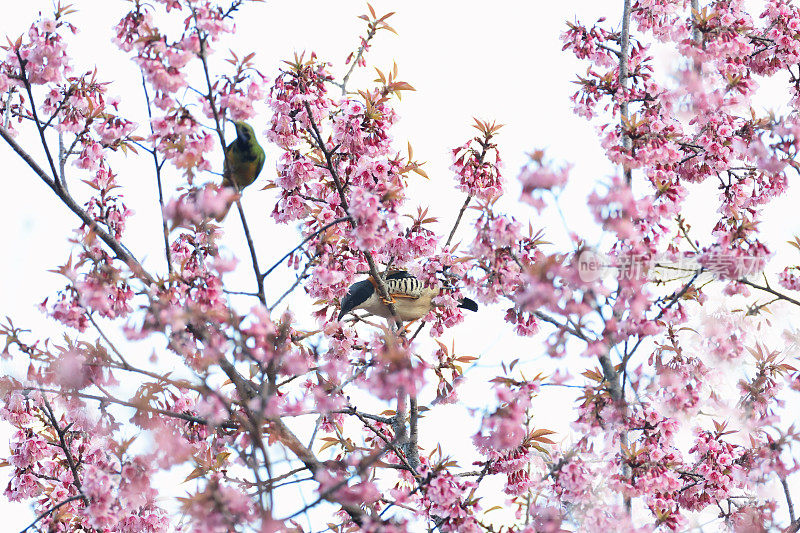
x,y
345,308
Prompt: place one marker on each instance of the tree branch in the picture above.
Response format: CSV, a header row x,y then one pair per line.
x,y
76,479
767,288
119,251
413,438
623,80
788,495
458,220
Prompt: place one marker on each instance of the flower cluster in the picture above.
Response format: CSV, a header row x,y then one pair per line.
x,y
536,177
110,491
44,55
244,381
445,498
477,164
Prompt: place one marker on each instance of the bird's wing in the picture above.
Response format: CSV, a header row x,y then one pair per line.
x,y
226,167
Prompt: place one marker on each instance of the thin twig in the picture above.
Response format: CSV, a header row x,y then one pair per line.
x,y
76,478
303,275
767,288
361,50
293,250
54,508
390,443
137,406
167,250
572,331
355,512
458,220
672,301
24,77
254,258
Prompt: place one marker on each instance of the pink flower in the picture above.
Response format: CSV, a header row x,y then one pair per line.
x,y
536,177
478,170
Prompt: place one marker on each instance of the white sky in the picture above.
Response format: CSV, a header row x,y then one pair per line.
x,y
497,60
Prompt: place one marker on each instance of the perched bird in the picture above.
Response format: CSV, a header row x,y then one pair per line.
x,y
244,158
411,298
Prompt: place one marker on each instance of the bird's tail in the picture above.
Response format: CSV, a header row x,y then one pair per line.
x,y
468,304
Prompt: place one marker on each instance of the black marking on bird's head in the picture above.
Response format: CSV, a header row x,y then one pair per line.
x,y
244,131
357,294
468,304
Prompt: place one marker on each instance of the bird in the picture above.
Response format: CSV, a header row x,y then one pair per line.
x,y
412,299
244,158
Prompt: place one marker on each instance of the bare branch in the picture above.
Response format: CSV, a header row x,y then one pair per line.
x,y
157,165
308,238
458,220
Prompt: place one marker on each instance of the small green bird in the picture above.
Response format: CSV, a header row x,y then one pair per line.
x,y
244,158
